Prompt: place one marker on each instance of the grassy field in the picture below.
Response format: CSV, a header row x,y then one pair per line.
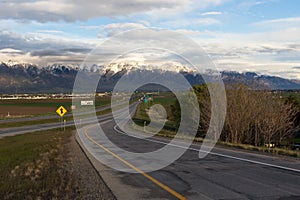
x,y
35,107
32,166
48,165
101,102
166,99
46,121
55,120
295,95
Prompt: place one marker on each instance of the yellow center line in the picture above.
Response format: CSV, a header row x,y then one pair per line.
x,y
163,186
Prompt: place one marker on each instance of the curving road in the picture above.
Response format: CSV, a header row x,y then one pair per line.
x,y
224,174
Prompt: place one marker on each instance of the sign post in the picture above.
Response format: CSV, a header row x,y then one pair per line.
x,y
61,111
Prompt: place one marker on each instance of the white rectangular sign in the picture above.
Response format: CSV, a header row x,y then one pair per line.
x,y
87,103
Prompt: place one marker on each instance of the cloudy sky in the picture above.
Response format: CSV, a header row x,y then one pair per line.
x,y
251,35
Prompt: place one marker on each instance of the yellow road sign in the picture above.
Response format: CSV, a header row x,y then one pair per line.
x,y
61,111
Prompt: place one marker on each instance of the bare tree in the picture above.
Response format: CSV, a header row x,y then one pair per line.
x,y
253,117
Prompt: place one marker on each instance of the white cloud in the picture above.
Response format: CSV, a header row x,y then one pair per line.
x,y
115,28
245,5
190,33
211,13
50,31
279,23
192,22
73,10
288,35
209,3
271,52
178,13
10,51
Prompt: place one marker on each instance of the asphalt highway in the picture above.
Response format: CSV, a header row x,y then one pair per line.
x,y
225,173
47,126
84,120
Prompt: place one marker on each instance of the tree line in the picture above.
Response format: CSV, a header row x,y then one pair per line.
x,y
254,117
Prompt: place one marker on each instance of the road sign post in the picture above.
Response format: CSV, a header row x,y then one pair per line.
x,y
61,111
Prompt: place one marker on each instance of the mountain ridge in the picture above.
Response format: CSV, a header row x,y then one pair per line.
x,y
59,78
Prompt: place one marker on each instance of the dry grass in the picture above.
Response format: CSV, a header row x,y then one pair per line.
x,y
275,151
34,166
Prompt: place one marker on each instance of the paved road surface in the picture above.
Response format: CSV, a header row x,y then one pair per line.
x,y
40,127
223,174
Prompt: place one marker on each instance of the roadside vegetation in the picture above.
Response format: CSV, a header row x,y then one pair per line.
x,y
48,165
167,100
253,117
33,165
261,120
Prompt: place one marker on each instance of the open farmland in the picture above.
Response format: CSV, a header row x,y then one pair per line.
x,y
31,107
16,108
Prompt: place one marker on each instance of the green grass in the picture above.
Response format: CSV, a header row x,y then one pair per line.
x,y
295,95
297,140
286,94
166,99
28,123
32,165
52,104
141,112
47,121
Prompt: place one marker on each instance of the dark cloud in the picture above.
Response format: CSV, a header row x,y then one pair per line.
x,y
27,43
59,52
66,10
50,49
264,49
78,50
48,52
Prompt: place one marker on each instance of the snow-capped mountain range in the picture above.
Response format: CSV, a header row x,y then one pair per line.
x,y
115,67
59,78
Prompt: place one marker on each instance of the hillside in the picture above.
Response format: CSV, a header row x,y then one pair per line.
x,y
29,78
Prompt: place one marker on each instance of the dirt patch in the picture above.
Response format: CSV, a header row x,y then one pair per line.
x,y
15,111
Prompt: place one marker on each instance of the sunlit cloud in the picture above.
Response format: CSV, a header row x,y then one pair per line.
x,y
211,13
44,31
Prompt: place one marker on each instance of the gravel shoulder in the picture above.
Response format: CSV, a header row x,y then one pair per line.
x,y
90,183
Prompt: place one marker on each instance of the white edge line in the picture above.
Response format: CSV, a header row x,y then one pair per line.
x,y
212,153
